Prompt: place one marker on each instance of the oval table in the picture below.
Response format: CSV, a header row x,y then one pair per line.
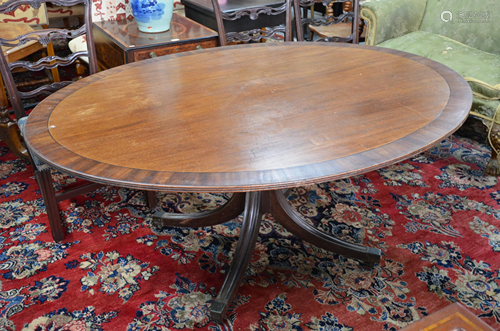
x,y
252,120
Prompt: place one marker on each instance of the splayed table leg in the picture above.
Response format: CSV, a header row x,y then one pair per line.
x,y
293,222
232,209
242,255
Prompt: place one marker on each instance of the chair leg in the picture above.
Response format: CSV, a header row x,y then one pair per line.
x,y
55,71
80,68
311,35
66,22
151,199
10,135
44,179
493,167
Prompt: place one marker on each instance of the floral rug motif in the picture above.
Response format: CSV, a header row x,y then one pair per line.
x,y
436,218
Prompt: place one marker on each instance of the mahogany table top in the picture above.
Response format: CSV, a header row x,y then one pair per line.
x,y
249,117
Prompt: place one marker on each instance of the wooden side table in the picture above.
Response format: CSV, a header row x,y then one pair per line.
x,y
121,42
451,318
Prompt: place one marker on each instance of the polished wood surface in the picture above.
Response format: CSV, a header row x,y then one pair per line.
x,y
188,123
121,42
202,11
454,317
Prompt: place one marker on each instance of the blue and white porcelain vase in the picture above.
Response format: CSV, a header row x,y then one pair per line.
x,y
152,15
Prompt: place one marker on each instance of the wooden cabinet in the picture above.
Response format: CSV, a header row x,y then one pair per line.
x,y
121,42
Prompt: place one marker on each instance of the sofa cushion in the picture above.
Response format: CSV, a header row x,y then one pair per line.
x,y
479,68
391,18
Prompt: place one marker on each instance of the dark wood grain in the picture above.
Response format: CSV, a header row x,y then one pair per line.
x,y
109,53
188,123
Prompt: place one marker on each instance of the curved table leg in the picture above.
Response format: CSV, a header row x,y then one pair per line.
x,y
232,209
286,216
244,249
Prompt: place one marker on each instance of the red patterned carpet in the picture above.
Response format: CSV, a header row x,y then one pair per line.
x,y
436,217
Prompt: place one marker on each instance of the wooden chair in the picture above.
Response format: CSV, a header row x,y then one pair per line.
x,y
328,27
8,128
253,13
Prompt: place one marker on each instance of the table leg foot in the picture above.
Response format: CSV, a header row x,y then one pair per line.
x,y
292,221
232,209
244,250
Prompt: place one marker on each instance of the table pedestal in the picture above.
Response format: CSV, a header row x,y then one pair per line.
x,y
254,205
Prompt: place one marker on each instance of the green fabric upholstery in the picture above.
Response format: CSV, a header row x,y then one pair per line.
x,y
473,64
399,18
475,22
469,42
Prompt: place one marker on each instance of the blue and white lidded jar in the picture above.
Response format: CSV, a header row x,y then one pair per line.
x,y
152,15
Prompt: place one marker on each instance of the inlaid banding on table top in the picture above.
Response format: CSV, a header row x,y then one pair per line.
x,y
301,136
260,107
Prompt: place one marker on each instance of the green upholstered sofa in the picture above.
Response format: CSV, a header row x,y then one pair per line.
x,y
462,34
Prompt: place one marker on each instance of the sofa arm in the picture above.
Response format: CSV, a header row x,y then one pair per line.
x,y
389,19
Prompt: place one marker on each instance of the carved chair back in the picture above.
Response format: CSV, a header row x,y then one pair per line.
x,y
253,13
44,37
350,11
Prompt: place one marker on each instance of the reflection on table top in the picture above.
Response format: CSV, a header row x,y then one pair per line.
x,y
128,35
